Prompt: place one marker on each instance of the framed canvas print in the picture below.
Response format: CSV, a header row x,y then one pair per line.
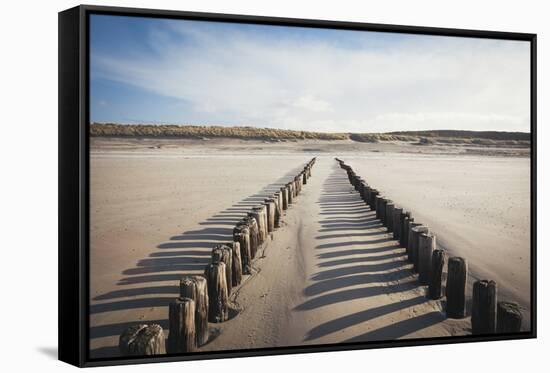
x,y
234,186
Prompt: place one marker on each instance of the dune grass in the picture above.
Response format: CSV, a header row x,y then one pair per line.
x,y
450,137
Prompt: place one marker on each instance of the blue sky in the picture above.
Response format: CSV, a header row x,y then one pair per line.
x,y
146,70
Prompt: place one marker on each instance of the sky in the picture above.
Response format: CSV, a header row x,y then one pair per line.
x,y
167,71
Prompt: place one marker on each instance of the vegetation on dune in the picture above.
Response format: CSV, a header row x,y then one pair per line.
x,y
453,137
377,137
489,135
185,131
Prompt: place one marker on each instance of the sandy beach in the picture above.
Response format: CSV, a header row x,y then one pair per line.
x,y
331,273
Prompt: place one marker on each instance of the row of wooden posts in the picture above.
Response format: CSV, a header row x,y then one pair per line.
x,y
487,315
205,298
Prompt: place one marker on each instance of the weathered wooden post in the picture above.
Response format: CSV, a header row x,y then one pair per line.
x,y
388,219
373,198
252,224
366,194
258,213
278,209
270,205
304,177
284,197
413,245
352,176
358,183
410,239
436,274
142,339
407,220
236,263
290,193
377,206
509,317
196,288
241,234
484,307
181,318
223,254
298,181
456,287
218,297
426,247
361,188
383,203
404,232
397,211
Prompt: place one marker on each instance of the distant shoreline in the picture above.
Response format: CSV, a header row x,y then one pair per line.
x,y
431,137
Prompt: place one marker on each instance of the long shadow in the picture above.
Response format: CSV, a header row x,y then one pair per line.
x,y
401,328
361,259
182,253
357,259
351,294
346,281
360,317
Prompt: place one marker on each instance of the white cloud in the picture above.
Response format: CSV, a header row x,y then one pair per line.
x,y
242,78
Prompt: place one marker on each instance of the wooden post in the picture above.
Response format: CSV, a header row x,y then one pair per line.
x,y
410,239
196,288
406,225
142,339
218,297
298,182
397,211
403,220
426,247
223,254
236,263
413,245
366,194
383,202
377,206
284,195
241,234
351,176
263,213
509,317
278,210
270,214
258,213
254,235
456,287
280,196
388,219
484,307
373,198
304,177
436,274
290,193
181,318
361,188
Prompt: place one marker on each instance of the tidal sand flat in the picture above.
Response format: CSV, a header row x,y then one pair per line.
x,y
479,207
331,273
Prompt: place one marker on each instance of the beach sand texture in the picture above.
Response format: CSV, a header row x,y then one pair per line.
x,y
330,274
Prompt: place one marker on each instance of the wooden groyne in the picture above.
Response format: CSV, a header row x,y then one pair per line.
x,y
488,315
205,298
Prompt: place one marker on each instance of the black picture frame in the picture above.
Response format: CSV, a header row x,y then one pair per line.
x,y
74,176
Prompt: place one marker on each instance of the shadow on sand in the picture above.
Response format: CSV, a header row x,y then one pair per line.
x,y
358,260
185,252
